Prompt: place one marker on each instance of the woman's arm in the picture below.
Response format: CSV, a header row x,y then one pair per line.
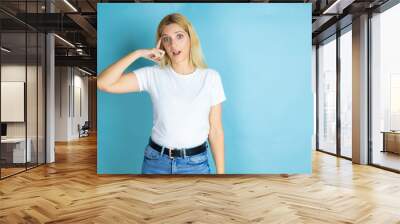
x,y
111,79
216,137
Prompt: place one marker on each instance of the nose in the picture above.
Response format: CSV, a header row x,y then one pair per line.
x,y
172,43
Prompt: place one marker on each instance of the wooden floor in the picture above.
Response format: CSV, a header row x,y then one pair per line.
x,y
5,172
70,191
8,171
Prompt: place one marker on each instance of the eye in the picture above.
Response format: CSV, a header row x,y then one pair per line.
x,y
165,39
180,36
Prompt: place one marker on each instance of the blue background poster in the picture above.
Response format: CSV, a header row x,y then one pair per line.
x,y
263,54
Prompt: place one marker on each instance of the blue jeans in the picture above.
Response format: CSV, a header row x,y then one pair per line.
x,y
156,163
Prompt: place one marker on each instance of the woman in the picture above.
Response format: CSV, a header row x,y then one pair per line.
x,y
186,98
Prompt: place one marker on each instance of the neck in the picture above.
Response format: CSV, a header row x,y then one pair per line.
x,y
183,67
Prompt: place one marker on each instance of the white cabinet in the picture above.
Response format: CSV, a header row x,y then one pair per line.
x,y
18,145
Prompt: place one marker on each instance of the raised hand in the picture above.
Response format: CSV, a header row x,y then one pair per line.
x,y
154,54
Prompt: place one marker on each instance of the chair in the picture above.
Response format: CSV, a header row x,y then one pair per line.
x,y
84,130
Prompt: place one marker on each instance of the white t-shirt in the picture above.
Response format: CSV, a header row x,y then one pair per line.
x,y
181,103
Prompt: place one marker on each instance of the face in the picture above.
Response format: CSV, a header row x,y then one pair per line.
x,y
176,43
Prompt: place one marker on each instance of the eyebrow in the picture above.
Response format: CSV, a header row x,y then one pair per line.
x,y
175,32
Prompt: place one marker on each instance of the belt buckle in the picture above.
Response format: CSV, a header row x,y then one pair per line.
x,y
169,153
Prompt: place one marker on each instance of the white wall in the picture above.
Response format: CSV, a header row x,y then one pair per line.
x,y
62,80
14,72
79,112
71,93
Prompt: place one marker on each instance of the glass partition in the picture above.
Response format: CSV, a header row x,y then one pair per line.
x,y
22,90
14,153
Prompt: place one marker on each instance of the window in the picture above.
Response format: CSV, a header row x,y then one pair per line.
x,y
327,96
385,88
346,93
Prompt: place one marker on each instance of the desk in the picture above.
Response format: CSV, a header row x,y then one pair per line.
x,y
18,149
391,141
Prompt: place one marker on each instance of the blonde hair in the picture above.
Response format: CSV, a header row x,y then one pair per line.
x,y
196,55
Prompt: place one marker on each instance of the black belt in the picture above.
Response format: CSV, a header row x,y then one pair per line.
x,y
179,152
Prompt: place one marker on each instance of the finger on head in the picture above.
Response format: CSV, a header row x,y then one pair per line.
x,y
159,44
156,53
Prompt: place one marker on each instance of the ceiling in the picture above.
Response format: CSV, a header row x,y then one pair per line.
x,y
76,22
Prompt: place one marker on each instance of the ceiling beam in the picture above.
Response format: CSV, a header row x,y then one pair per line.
x,y
337,6
84,24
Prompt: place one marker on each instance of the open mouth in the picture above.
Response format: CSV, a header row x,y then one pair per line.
x,y
176,53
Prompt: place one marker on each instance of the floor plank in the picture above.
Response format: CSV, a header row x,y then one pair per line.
x,y
70,191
